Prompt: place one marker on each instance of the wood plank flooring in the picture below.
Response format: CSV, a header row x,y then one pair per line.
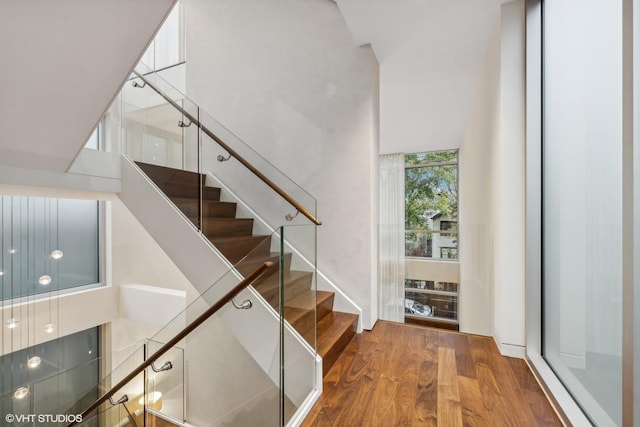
x,y
406,375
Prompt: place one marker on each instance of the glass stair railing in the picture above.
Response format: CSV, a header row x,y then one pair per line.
x,y
195,369
142,383
230,193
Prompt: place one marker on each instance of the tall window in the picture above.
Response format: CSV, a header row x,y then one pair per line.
x,y
431,233
431,205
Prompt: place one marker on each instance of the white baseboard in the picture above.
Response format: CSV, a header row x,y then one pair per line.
x,y
509,350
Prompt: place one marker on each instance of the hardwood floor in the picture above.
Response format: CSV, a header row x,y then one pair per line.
x,y
405,375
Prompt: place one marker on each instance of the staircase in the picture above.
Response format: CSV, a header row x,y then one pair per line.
x,y
234,238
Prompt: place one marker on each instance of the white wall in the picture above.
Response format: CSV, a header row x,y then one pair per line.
x,y
509,187
287,78
475,191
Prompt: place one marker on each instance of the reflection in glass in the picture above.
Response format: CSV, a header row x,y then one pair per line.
x,y
429,298
582,203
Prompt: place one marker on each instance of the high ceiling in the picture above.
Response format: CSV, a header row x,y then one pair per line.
x,y
431,55
389,25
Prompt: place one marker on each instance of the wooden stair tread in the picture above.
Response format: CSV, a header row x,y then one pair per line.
x,y
227,227
334,332
331,326
189,191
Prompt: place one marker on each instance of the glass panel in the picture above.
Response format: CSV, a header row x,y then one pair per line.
x,y
154,130
73,390
111,416
166,389
429,305
430,285
47,245
582,203
203,149
54,376
232,377
223,190
302,306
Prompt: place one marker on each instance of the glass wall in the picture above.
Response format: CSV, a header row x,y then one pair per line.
x,y
582,202
47,245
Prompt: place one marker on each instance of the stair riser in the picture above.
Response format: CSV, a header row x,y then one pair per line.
x,y
252,262
308,321
330,357
163,175
209,208
173,190
232,227
235,250
270,290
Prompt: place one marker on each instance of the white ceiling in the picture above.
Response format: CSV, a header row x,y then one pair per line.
x,y
62,62
431,55
389,24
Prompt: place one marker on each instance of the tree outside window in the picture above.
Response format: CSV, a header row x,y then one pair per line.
x,y
431,204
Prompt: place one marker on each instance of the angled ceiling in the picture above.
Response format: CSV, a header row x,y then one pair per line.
x,y
431,55
63,62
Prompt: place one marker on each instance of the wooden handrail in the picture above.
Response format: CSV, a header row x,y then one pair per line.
x,y
293,202
179,337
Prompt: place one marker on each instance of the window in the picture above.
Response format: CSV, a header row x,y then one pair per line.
x,y
167,49
95,140
431,205
47,245
449,253
448,225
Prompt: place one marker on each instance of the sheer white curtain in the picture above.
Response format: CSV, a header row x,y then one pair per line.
x,y
391,238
